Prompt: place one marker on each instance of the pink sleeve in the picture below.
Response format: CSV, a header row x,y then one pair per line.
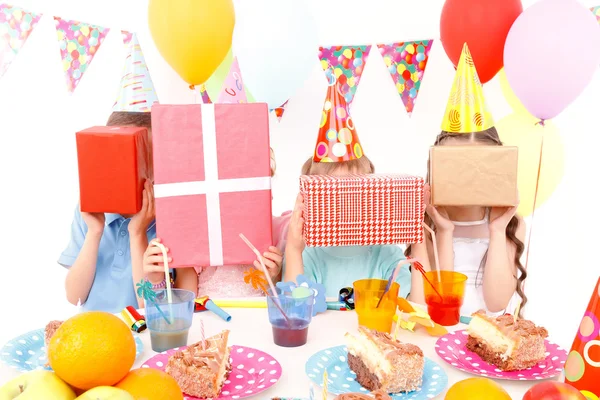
x,y
280,229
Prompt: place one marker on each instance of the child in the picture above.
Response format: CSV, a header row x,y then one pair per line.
x,y
228,281
104,255
338,154
485,244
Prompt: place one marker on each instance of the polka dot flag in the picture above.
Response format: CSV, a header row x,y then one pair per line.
x,y
15,26
79,43
406,62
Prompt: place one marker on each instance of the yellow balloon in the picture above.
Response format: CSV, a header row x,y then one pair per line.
x,y
193,36
510,96
521,130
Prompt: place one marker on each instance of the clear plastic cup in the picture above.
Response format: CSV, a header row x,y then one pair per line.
x,y
298,309
170,326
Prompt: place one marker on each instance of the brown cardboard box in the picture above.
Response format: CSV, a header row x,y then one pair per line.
x,y
474,176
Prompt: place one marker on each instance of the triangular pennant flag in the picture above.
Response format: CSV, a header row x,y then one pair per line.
x,y
127,36
344,65
15,26
279,111
406,62
79,43
137,90
233,88
466,111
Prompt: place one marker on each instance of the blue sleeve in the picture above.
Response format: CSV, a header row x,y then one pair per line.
x,y
78,232
311,270
390,257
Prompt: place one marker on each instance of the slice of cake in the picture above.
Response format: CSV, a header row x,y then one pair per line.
x,y
509,345
377,395
50,330
382,363
202,372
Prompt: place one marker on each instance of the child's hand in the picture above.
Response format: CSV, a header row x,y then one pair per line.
x,y
94,222
154,268
273,260
438,215
139,222
295,239
500,217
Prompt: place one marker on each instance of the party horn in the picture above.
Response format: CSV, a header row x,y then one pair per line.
x,y
207,304
136,322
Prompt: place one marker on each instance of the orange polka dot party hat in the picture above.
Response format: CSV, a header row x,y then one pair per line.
x,y
466,111
337,139
582,369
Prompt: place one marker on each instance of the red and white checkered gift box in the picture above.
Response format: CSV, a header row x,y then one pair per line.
x,y
362,210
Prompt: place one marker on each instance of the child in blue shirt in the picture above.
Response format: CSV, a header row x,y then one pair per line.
x,y
339,267
104,256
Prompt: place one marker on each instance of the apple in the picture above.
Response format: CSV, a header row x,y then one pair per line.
x,y
553,391
34,385
105,393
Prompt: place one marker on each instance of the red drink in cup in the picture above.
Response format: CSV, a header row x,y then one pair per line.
x,y
450,285
291,330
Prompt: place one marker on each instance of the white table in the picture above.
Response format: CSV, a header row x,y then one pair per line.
x,y
250,327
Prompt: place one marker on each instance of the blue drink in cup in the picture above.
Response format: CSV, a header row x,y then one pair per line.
x,y
165,335
298,307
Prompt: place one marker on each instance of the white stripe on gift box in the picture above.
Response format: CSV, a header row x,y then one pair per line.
x,y
212,186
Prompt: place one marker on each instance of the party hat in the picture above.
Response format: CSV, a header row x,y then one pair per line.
x,y
337,139
466,111
137,90
233,89
582,368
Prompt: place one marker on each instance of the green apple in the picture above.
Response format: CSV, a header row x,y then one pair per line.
x,y
34,385
105,393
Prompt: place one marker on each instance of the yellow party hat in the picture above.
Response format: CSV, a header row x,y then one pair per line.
x,y
466,111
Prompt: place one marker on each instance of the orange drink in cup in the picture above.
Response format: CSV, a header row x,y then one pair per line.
x,y
444,310
367,293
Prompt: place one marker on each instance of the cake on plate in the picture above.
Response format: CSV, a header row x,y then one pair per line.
x,y
376,395
508,344
382,363
201,372
50,330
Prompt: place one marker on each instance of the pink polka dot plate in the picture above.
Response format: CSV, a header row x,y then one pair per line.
x,y
452,348
253,371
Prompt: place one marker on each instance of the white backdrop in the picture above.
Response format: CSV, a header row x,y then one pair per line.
x,y
38,169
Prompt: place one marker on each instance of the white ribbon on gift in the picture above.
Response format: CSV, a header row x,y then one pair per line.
x,y
212,186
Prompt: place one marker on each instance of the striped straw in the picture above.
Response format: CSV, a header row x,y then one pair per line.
x,y
202,334
325,385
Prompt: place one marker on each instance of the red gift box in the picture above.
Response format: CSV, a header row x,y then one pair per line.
x,y
362,210
212,181
114,163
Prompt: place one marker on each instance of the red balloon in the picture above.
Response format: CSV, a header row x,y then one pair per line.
x,y
553,391
483,25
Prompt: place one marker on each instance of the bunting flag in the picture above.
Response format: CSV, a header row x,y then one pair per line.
x,y
279,111
204,94
406,62
79,43
127,36
137,90
344,64
233,88
15,26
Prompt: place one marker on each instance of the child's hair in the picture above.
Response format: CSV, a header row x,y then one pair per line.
x,y
128,118
273,163
362,165
489,136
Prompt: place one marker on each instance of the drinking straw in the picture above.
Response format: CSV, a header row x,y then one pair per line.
x,y
145,291
163,249
275,296
325,385
393,278
311,393
516,315
420,268
435,251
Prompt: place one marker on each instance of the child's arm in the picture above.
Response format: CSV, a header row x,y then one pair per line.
x,y
187,278
82,272
295,244
273,260
500,273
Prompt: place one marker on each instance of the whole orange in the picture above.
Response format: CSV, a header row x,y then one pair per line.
x,y
150,384
477,389
92,349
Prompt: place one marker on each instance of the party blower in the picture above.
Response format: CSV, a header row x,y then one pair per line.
x,y
204,303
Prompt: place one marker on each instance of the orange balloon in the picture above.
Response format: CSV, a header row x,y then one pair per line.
x,y
477,389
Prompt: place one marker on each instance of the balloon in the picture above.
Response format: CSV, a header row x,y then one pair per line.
x,y
510,97
553,391
476,389
483,25
276,44
521,130
552,52
192,36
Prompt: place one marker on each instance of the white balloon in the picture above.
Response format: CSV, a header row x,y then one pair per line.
x,y
276,44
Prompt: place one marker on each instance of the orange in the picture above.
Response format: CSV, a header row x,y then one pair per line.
x,y
150,384
477,389
92,349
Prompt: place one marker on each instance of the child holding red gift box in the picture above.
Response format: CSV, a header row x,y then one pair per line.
x,y
105,253
338,153
483,243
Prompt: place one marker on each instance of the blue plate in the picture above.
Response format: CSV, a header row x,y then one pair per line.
x,y
340,379
28,351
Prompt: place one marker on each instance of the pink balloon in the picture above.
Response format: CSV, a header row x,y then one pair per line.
x,y
551,54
